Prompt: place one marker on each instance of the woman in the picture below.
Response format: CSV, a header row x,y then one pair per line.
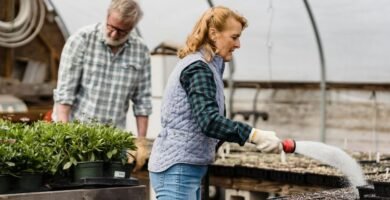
x,y
192,115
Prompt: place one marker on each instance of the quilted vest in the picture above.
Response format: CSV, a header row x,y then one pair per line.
x,y
181,140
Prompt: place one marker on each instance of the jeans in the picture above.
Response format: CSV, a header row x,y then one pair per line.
x,y
181,181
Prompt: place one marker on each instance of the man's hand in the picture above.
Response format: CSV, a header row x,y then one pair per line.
x,y
265,141
141,154
62,112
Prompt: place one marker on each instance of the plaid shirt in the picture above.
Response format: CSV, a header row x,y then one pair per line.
x,y
99,84
198,82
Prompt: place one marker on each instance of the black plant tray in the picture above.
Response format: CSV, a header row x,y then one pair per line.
x,y
326,180
276,175
382,189
365,190
94,183
15,191
222,170
296,178
287,176
252,172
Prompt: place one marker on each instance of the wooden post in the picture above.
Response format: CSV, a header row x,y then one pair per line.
x,y
9,14
54,58
9,62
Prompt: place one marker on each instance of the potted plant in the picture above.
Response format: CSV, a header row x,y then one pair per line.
x,y
33,158
6,165
90,145
115,151
7,153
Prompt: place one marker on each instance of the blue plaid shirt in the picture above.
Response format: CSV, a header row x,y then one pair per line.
x,y
99,84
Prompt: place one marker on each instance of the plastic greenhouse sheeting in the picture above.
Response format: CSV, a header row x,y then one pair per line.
x,y
279,44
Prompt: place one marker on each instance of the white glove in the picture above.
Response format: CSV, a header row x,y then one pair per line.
x,y
265,141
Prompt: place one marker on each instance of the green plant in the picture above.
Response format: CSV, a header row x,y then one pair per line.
x,y
50,139
7,151
23,149
117,142
6,155
54,147
31,154
93,142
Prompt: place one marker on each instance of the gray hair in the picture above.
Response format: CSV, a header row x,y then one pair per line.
x,y
129,10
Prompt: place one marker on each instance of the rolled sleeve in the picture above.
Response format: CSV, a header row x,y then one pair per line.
x,y
70,70
142,98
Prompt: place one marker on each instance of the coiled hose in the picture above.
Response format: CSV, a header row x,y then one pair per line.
x,y
25,27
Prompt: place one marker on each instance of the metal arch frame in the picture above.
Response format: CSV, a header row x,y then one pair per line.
x,y
210,2
323,71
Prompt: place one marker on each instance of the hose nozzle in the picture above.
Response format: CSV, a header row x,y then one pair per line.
x,y
288,145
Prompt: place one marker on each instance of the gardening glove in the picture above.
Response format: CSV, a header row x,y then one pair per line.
x,y
265,141
142,153
131,156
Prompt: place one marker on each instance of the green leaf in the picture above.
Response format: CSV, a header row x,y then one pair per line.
x,y
67,165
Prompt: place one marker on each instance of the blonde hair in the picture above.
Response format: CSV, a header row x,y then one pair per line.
x,y
213,18
128,10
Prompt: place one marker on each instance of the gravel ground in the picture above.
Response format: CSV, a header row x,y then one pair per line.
x,y
335,194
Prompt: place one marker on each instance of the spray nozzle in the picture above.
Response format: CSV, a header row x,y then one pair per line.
x,y
288,145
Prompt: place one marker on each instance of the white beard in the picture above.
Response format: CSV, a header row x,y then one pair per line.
x,y
111,41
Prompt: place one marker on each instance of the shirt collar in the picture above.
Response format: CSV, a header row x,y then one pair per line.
x,y
218,63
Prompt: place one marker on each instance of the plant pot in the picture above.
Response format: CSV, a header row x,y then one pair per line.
x,y
117,170
5,183
91,169
29,182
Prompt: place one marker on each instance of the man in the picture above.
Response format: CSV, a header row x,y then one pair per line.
x,y
102,67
